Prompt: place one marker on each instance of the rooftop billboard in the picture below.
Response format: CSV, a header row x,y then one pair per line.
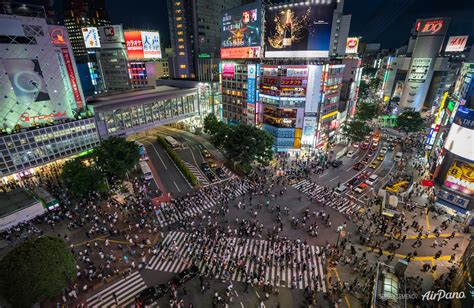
x,y
298,30
142,44
241,32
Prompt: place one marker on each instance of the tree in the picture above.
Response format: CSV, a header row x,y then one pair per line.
x,y
375,83
356,130
81,179
367,111
36,270
116,156
246,144
410,121
211,124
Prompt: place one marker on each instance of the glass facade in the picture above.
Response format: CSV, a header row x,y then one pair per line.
x,y
39,146
129,118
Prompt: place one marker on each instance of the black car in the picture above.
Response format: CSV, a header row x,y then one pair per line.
x,y
205,167
184,276
150,295
220,172
337,163
210,176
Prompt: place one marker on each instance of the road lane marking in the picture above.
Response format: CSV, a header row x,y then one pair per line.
x,y
159,156
242,305
176,186
324,174
427,220
334,179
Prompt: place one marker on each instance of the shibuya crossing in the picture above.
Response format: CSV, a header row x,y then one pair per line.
x,y
236,154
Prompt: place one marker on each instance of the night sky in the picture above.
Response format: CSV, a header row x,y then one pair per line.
x,y
376,21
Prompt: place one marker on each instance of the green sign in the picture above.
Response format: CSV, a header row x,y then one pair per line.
x,y
204,55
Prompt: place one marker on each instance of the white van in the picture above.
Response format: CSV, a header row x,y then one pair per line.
x,y
341,189
398,156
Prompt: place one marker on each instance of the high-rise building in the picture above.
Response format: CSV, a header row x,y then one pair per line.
x,y
41,97
195,30
80,14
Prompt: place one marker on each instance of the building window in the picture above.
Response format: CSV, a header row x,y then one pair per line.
x,y
179,26
180,32
181,40
184,76
182,53
182,66
181,46
177,3
178,11
179,18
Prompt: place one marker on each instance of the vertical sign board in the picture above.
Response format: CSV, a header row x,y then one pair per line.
x,y
313,90
419,70
251,83
72,77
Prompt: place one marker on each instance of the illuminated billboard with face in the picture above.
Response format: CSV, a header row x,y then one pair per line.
x,y
298,31
241,32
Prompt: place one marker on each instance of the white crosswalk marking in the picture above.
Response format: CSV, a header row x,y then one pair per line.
x,y
285,264
124,290
168,213
197,173
341,204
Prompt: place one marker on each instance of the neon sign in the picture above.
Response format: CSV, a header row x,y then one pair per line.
x,y
432,26
25,117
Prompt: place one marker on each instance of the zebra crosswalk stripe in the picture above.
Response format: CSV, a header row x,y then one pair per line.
x,y
179,248
124,289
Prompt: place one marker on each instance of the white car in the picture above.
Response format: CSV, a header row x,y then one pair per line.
x,y
398,156
356,145
350,154
383,150
371,180
341,189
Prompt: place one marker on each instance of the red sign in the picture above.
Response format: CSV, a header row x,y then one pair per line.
x,y
291,82
432,26
456,43
72,77
133,41
57,37
25,117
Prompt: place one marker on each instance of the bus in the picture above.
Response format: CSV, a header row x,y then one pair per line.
x,y
141,149
146,170
174,144
48,201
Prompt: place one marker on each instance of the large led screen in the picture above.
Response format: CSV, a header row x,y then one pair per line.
x,y
460,177
91,37
302,31
241,32
460,138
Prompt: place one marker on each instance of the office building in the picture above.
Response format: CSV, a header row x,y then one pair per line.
x,y
112,58
80,14
195,30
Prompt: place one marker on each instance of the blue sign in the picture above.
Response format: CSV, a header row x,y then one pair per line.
x,y
464,117
251,83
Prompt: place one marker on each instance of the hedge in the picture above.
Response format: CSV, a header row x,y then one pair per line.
x,y
177,160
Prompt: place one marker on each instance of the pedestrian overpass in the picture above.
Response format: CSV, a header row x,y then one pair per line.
x,y
133,111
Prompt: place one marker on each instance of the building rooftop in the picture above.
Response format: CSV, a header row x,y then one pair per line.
x,y
14,201
137,96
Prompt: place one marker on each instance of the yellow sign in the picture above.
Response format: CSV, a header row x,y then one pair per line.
x,y
460,177
329,115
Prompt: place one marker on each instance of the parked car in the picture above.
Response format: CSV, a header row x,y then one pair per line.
x,y
350,154
206,153
364,146
358,166
184,276
371,180
360,188
205,167
337,163
220,172
150,295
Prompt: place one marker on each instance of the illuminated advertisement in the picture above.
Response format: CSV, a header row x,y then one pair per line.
x,y
398,89
428,27
309,129
251,84
452,198
228,70
419,70
58,38
460,177
111,34
352,45
241,32
298,31
72,77
27,80
91,37
456,43
142,45
461,134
